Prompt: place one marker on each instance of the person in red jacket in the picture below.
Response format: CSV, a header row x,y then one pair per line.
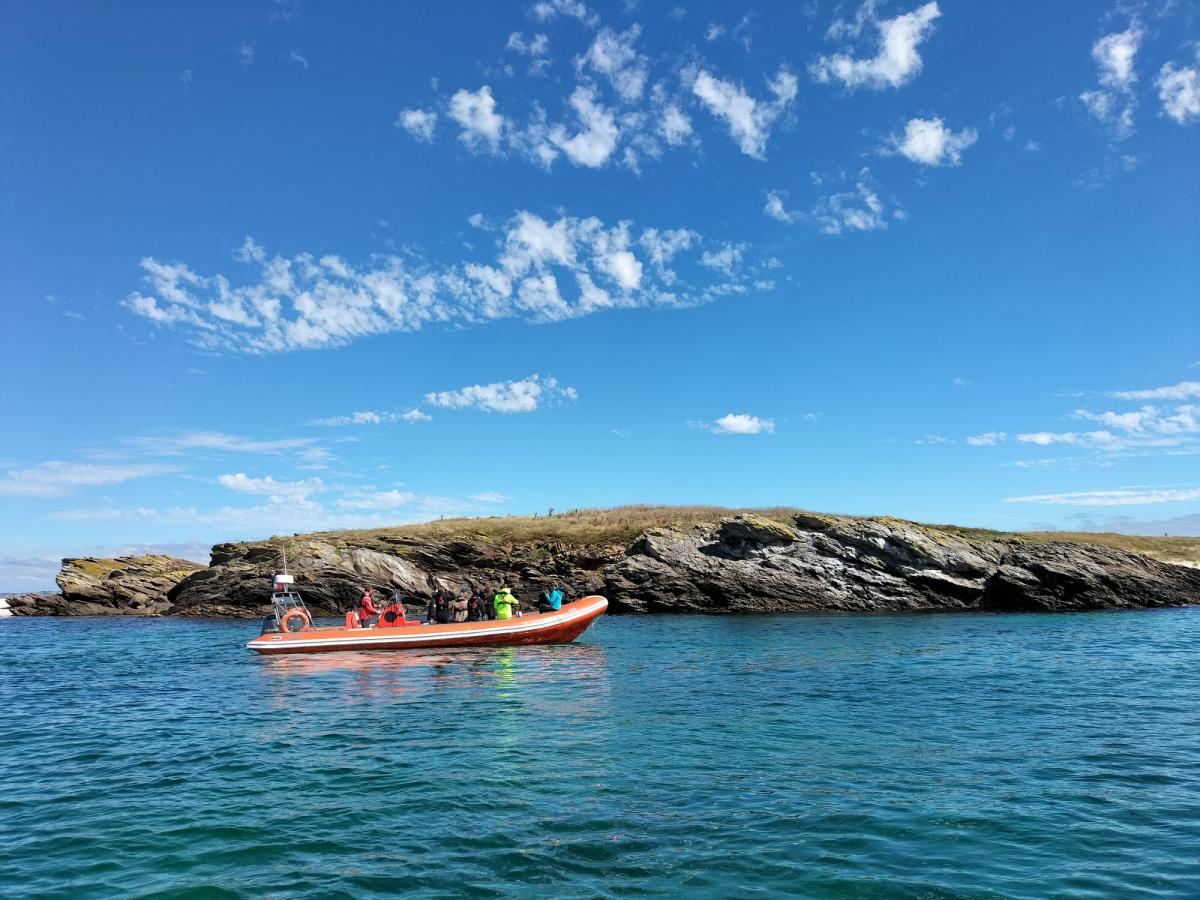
x,y
366,609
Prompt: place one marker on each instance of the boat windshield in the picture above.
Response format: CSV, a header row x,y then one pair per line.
x,y
284,602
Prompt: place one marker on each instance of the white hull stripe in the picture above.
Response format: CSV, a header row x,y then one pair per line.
x,y
411,634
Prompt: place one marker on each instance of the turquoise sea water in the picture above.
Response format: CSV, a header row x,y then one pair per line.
x,y
893,756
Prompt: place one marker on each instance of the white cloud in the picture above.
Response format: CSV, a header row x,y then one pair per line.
x,y
482,126
1184,390
1114,102
542,271
987,439
296,57
1179,91
547,10
742,423
749,120
415,415
775,209
597,138
522,396
419,123
861,209
713,31
896,60
613,56
1119,497
245,54
931,143
280,491
56,478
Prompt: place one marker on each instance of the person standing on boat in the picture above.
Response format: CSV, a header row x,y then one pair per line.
x,y
459,608
366,608
505,604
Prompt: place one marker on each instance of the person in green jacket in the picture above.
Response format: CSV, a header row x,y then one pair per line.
x,y
505,603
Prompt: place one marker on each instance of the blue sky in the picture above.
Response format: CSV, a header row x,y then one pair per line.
x,y
272,267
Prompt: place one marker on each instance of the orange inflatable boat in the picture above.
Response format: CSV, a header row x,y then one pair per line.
x,y
290,628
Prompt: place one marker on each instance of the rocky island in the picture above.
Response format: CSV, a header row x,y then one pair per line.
x,y
658,560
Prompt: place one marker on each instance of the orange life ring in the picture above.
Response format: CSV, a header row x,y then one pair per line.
x,y
293,615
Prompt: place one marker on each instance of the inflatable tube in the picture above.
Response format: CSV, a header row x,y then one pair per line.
x,y
295,620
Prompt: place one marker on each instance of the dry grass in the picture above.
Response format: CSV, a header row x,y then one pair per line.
x,y
1168,549
579,527
624,524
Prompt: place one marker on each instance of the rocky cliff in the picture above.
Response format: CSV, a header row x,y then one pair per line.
x,y
122,586
786,561
828,563
742,564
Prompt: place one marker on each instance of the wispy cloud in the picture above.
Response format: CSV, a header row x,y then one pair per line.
x,y
549,10
214,441
542,271
860,209
1172,428
490,497
987,439
1184,390
269,487
1119,497
56,478
381,500
1114,102
371,417
749,120
896,60
523,396
776,209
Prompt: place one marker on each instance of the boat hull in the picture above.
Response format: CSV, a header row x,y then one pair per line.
x,y
558,627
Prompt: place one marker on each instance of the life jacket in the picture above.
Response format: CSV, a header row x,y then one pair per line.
x,y
504,604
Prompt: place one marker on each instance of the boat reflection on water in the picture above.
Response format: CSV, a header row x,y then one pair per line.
x,y
546,677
